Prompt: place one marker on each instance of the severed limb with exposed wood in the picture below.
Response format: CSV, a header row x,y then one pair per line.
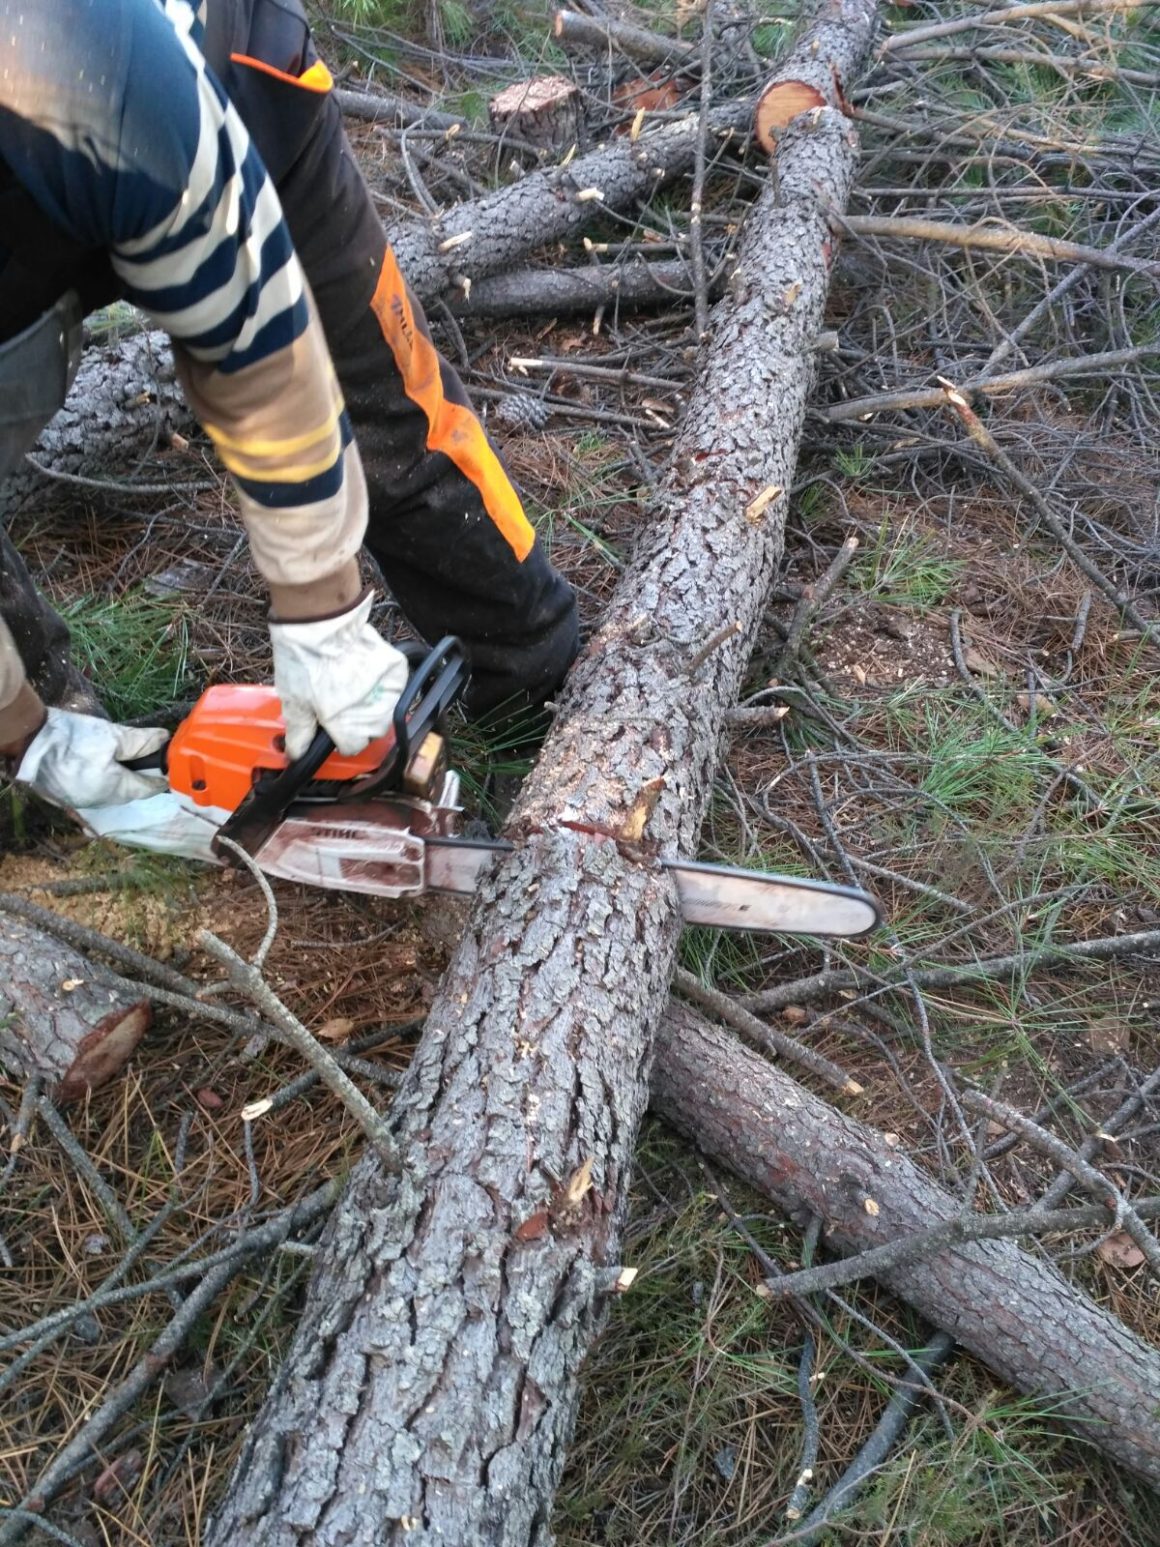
x,y
431,1385
57,1024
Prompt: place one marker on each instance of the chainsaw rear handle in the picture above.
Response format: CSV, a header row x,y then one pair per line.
x,y
439,679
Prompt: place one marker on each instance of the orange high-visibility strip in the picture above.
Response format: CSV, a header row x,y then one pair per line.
x,y
451,428
317,78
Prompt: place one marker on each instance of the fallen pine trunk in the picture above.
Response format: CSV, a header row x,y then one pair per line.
x,y
496,233
429,1393
56,1023
608,36
124,406
1014,1311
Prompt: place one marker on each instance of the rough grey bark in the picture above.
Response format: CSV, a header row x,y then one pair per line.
x,y
382,107
430,1389
551,292
608,36
1011,1309
124,407
55,1022
488,235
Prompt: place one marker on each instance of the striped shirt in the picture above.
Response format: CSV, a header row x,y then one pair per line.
x,y
113,123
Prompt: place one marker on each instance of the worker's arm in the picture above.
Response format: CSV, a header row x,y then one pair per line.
x,y
112,121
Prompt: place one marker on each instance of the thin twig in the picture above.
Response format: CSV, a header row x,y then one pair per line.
x,y
837,980
814,597
923,1245
251,983
1096,1182
986,442
994,18
989,386
895,1416
1027,244
714,642
258,960
1109,1128
83,1447
767,1037
697,197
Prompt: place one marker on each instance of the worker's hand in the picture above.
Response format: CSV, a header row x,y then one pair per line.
x,y
339,673
79,760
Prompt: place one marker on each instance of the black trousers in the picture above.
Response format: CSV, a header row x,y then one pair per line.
x,y
445,524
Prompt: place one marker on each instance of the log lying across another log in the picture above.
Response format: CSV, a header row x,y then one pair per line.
x,y
429,1393
1013,1310
56,1023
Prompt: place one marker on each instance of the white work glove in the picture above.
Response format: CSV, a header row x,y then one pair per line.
x,y
76,760
339,673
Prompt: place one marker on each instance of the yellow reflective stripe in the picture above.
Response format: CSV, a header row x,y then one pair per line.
x,y
243,469
286,446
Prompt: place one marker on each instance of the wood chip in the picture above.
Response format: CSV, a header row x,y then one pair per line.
x,y
340,1029
755,510
978,663
1120,1250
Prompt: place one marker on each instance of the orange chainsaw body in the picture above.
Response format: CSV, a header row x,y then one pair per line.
x,y
235,734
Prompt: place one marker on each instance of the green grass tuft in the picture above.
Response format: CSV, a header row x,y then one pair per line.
x,y
905,568
135,651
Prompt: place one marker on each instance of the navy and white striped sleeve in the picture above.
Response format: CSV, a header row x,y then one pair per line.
x,y
113,122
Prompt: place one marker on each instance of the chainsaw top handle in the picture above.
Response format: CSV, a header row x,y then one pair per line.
x,y
433,687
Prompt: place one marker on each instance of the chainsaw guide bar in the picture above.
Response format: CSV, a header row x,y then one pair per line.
x,y
384,823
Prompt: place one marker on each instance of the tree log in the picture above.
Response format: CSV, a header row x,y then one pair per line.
x,y
1014,1311
552,292
125,404
56,1023
606,35
429,1391
495,233
383,107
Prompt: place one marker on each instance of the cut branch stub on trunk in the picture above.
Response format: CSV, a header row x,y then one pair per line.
x,y
429,1392
56,1023
1011,1309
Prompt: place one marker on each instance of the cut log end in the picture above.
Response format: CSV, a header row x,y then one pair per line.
x,y
105,1051
780,103
545,111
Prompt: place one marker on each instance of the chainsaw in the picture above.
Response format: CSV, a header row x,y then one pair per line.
x,y
385,822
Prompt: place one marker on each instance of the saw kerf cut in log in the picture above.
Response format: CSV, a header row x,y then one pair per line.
x,y
430,1389
1011,1309
56,1022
